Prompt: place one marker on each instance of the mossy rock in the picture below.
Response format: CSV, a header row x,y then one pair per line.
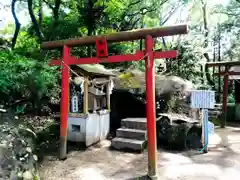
x,y
18,160
178,134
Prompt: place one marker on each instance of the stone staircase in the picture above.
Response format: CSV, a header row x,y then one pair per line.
x,y
132,136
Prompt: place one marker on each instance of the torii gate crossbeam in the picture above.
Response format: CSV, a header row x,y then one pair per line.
x,y
102,56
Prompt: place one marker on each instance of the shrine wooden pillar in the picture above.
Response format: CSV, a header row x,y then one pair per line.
x,y
108,94
85,95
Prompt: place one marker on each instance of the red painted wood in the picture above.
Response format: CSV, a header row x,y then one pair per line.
x,y
225,97
64,103
101,47
116,58
227,73
151,107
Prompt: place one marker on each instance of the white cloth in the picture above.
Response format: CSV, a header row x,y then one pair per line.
x,y
111,86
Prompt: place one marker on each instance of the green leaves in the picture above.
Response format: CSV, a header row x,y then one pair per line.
x,y
25,78
24,73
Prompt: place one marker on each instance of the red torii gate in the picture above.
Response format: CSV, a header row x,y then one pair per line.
x,y
225,72
102,56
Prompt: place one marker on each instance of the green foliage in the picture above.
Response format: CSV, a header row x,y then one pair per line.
x,y
186,65
231,98
23,42
172,104
25,78
26,75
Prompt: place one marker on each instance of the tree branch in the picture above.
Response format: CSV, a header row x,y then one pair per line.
x,y
56,10
48,4
132,16
34,20
17,24
40,14
208,75
141,11
134,3
135,22
170,13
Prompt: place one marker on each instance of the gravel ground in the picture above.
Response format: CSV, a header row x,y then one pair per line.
x,y
222,162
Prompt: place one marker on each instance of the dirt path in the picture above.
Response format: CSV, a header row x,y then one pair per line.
x,y
99,163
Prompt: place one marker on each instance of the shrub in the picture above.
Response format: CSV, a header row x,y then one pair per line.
x,y
26,80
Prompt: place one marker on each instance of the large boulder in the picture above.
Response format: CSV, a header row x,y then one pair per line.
x,y
164,84
172,95
178,131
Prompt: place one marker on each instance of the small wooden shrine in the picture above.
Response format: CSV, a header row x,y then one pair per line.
x,y
89,117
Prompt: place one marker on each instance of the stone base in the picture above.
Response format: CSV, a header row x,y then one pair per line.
x,y
128,144
137,134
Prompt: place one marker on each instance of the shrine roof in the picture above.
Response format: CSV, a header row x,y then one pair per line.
x,y
223,63
96,69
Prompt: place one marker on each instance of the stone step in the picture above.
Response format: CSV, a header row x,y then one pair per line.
x,y
132,133
134,123
128,144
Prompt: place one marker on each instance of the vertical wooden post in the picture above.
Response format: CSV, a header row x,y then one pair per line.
x,y
85,101
64,104
205,130
108,94
225,98
151,108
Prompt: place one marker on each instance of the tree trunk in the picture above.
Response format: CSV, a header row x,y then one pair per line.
x,y
56,11
34,20
208,75
204,9
90,25
219,59
205,45
40,14
17,24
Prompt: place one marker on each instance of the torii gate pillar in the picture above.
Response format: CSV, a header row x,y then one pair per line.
x,y
151,108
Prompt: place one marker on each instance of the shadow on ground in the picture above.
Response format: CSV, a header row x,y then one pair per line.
x,y
223,153
47,143
139,178
222,159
